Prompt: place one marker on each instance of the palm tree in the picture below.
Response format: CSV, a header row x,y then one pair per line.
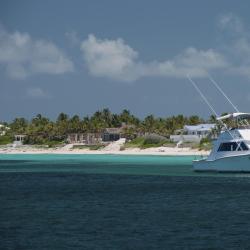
x,y
75,125
19,125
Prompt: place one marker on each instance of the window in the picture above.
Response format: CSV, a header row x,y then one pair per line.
x,y
228,146
243,146
233,146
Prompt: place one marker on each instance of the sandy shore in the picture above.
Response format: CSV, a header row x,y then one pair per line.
x,y
134,151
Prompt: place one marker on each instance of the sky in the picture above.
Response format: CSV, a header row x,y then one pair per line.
x,y
80,56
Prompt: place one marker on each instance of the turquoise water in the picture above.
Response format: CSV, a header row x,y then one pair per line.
x,y
106,164
102,164
120,202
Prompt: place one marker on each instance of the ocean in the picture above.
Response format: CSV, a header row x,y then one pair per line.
x,y
120,202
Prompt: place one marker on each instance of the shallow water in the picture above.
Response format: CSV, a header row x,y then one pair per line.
x,y
120,202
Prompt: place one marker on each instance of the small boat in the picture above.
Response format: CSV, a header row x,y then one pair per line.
x,y
231,150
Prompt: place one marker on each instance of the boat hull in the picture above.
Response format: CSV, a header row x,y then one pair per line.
x,y
239,163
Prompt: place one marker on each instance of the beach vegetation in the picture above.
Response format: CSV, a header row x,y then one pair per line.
x,y
205,144
5,139
135,143
146,132
90,147
148,141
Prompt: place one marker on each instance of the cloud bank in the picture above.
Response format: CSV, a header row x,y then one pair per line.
x,y
237,47
23,56
117,60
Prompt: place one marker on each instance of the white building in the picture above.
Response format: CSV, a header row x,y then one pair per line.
x,y
193,133
19,139
3,129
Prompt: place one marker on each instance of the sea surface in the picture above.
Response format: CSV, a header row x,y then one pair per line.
x,y
120,202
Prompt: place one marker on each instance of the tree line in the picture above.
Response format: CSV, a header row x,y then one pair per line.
x,y
40,129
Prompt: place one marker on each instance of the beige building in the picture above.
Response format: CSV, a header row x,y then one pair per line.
x,y
84,138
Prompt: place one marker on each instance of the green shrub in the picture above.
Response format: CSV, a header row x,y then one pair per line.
x,y
153,139
148,141
52,144
135,143
40,140
205,144
96,147
90,147
5,139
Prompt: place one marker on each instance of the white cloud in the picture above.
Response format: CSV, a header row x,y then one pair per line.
x,y
109,58
23,56
196,63
36,93
117,60
237,47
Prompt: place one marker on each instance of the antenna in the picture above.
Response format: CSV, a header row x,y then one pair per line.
x,y
201,94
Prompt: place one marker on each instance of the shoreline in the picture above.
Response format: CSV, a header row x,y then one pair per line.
x,y
160,151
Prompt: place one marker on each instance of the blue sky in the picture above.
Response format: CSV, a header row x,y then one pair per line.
x,y
80,56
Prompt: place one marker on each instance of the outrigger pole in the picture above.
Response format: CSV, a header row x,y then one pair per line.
x,y
210,106
227,98
222,92
203,97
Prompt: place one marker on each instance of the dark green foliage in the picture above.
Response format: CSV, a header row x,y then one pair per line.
x,y
147,142
6,139
136,143
153,139
41,130
90,147
19,125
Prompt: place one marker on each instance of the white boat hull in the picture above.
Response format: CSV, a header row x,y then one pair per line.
x,y
238,163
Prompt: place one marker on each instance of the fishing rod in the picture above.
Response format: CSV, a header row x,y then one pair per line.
x,y
203,97
222,92
211,107
227,98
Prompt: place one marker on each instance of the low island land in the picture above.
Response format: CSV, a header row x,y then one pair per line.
x,y
150,136
168,151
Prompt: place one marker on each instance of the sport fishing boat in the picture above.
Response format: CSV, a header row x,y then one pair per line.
x,y
231,150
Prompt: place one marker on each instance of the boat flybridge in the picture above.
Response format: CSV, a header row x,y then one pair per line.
x,y
231,150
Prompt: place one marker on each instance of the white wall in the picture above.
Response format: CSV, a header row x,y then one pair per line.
x,y
186,138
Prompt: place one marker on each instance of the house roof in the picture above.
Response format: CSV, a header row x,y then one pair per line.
x,y
199,127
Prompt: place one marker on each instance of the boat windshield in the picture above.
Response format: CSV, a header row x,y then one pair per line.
x,y
232,146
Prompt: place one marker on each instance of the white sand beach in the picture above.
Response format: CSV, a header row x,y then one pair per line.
x,y
135,151
110,149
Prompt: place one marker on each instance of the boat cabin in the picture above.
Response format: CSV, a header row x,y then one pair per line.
x,y
232,141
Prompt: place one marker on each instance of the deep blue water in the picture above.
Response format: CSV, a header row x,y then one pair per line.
x,y
120,202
